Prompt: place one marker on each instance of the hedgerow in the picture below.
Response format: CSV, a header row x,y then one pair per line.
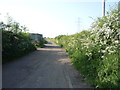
x,y
14,45
96,53
15,41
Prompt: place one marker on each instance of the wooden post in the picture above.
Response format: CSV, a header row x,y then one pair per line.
x,y
103,7
119,5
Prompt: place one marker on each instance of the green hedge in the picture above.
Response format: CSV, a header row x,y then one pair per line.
x,y
96,53
15,45
15,40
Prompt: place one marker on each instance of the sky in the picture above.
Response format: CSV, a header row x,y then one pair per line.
x,y
54,17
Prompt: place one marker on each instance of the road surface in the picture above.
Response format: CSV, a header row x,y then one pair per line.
x,y
47,67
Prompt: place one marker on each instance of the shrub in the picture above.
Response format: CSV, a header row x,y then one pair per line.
x,y
96,53
15,41
14,45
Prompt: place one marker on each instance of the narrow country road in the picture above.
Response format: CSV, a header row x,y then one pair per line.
x,y
47,67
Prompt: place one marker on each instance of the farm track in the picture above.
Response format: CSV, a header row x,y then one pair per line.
x,y
47,67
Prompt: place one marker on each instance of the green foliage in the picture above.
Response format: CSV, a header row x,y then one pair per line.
x,y
15,45
15,42
108,72
96,53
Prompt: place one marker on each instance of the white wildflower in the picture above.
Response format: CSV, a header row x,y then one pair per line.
x,y
102,56
116,41
103,51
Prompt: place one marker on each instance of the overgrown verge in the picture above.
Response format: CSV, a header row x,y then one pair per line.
x,y
96,53
15,41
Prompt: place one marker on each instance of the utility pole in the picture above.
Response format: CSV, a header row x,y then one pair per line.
x,y
119,5
103,7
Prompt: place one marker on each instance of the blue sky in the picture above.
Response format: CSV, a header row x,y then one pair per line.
x,y
54,17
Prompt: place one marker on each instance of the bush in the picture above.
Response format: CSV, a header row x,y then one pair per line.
x,y
14,45
15,40
96,53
